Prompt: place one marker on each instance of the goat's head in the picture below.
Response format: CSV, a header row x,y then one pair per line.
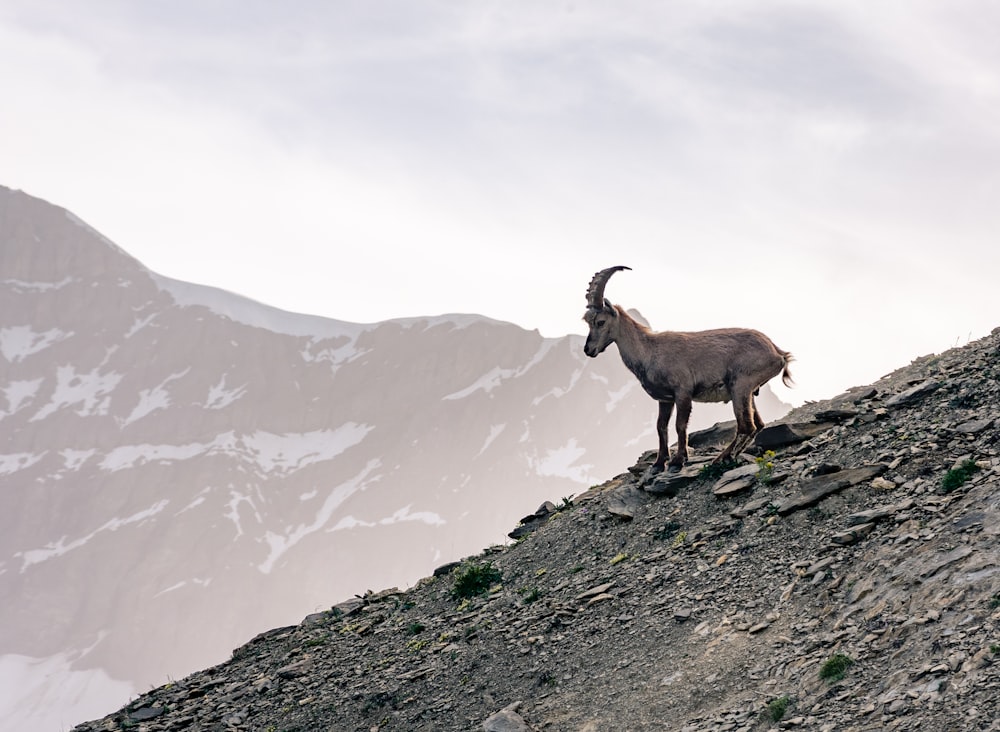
x,y
601,316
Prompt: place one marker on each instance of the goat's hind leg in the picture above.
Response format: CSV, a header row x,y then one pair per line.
x,y
748,423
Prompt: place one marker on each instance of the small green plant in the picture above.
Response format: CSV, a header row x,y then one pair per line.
x,y
815,513
679,539
619,557
765,467
474,578
835,667
995,649
567,502
415,627
776,708
955,477
531,594
714,471
577,568
995,601
669,531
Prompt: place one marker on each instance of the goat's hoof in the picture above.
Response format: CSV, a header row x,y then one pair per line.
x,y
654,470
674,468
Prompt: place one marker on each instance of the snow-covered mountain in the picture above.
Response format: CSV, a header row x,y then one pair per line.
x,y
181,467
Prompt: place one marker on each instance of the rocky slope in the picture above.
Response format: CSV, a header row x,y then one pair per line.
x,y
848,581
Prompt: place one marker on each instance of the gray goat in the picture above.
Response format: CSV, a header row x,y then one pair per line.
x,y
681,368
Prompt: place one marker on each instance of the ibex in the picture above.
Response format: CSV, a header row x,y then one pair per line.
x,y
681,368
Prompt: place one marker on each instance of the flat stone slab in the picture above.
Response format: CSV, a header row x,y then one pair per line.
x,y
913,394
853,534
625,501
785,434
736,480
974,427
816,490
669,484
879,514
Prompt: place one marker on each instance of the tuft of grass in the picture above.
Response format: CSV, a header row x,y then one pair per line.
x,y
995,649
955,477
776,708
619,557
714,471
415,627
669,531
474,578
531,594
835,667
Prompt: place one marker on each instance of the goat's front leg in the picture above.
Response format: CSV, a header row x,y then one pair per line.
x,y
662,420
683,415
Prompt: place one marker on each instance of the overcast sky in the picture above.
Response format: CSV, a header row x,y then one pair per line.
x,y
827,172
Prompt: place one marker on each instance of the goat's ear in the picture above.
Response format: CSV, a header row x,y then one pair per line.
x,y
610,309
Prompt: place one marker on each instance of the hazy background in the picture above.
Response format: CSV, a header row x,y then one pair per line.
x,y
824,171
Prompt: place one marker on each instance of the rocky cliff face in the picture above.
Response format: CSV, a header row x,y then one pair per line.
x,y
181,467
846,578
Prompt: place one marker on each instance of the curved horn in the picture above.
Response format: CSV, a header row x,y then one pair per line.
x,y
595,292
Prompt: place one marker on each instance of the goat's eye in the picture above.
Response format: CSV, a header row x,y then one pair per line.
x,y
600,323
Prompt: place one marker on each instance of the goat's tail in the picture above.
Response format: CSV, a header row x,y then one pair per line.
x,y
786,375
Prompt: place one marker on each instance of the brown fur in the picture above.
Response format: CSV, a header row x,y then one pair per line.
x,y
729,364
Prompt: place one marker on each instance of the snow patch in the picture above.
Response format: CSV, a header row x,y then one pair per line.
x,y
236,499
20,286
559,463
558,391
74,459
18,393
616,396
404,514
139,324
152,399
495,376
495,431
278,544
48,694
89,390
18,461
57,549
128,456
219,396
284,453
20,341
177,586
